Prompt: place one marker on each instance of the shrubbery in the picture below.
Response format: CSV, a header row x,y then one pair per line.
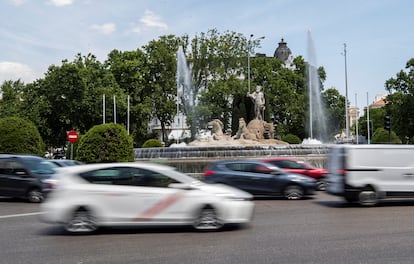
x,y
105,143
152,143
20,136
291,139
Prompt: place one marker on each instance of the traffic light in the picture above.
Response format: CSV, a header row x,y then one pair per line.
x,y
387,123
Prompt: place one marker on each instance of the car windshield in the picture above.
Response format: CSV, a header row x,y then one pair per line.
x,y
40,167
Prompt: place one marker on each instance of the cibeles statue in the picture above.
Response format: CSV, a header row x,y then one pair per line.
x,y
259,102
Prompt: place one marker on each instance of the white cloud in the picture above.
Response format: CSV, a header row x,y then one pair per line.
x,y
106,28
60,2
14,71
152,20
18,2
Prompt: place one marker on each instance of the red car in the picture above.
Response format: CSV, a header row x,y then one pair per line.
x,y
300,167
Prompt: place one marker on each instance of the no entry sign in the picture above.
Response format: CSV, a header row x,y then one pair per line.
x,y
72,136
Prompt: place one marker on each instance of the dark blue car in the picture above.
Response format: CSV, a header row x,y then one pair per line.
x,y
259,178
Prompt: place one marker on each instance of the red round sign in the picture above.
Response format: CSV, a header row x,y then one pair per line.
x,y
72,136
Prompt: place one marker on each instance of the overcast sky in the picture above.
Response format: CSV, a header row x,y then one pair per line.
x,y
38,33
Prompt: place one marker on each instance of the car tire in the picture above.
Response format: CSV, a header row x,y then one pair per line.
x,y
81,222
368,197
35,196
207,220
293,192
320,185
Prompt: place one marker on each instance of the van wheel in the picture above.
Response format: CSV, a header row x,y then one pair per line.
x,y
368,197
81,221
293,192
35,196
207,220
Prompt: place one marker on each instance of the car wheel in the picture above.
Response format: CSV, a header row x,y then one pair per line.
x,y
81,221
35,196
293,192
207,220
368,197
320,185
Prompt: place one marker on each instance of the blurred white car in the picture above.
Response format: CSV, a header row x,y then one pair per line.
x,y
141,194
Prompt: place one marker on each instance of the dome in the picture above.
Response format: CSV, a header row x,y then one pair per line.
x,y
282,52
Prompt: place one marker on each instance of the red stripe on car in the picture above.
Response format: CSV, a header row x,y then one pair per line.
x,y
159,207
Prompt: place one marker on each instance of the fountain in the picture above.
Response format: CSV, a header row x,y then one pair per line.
x,y
253,140
317,125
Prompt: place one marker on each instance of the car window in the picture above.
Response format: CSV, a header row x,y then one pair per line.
x,y
38,166
240,167
128,176
249,167
155,179
288,164
112,176
12,167
262,169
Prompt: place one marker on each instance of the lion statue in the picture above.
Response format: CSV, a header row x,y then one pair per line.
x,y
216,127
244,132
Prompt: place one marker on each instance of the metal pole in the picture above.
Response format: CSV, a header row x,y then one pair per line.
x,y
114,110
368,128
248,62
103,109
356,119
346,97
128,115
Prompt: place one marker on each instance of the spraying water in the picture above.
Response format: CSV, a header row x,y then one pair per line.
x,y
185,92
317,124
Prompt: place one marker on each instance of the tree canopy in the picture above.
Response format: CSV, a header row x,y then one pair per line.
x,y
71,95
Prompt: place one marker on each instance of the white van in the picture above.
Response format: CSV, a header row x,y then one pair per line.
x,y
367,173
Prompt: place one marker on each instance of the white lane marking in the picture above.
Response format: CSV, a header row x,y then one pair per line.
x,y
20,215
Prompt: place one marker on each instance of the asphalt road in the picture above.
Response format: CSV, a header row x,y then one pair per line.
x,y
318,230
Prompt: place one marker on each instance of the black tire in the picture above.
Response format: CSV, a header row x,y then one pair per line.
x,y
207,220
81,222
293,192
368,197
320,185
35,196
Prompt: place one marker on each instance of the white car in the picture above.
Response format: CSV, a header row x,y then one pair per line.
x,y
140,194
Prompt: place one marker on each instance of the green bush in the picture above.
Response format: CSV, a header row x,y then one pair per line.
x,y
105,143
152,143
291,139
20,136
381,136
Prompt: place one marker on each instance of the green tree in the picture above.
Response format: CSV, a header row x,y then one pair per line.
x,y
161,59
130,69
217,61
376,121
105,143
70,97
11,99
400,101
20,136
335,111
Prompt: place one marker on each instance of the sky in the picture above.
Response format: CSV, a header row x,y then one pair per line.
x,y
377,33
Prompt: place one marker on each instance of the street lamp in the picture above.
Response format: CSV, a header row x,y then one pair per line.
x,y
249,46
346,98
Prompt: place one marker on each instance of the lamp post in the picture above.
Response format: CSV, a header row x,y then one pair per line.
x,y
346,98
249,46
